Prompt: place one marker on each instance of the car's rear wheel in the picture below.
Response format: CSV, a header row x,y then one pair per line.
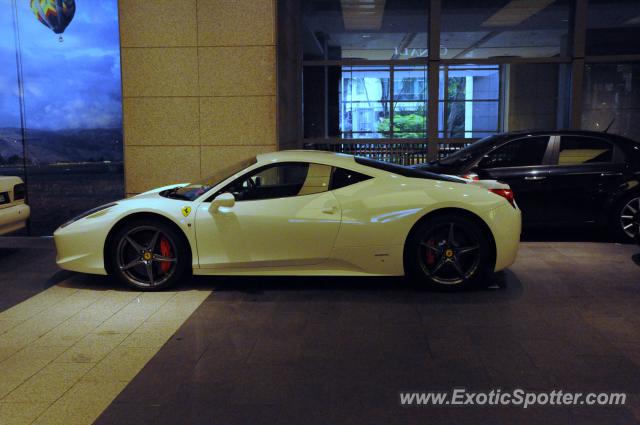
x,y
147,255
626,218
448,252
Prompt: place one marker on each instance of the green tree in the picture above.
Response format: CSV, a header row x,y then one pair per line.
x,y
406,126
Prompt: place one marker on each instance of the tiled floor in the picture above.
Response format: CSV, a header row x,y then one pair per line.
x,y
337,351
68,351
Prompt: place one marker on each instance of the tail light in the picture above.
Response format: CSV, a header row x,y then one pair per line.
x,y
470,176
506,194
18,192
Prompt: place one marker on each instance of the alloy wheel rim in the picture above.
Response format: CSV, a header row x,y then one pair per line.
x,y
630,218
141,258
449,254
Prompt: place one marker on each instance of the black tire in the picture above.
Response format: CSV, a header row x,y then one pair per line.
x,y
449,252
132,260
624,216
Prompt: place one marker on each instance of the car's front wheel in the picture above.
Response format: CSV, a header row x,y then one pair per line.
x,y
448,251
147,255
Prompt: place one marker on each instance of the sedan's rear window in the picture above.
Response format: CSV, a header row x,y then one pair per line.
x,y
577,150
405,171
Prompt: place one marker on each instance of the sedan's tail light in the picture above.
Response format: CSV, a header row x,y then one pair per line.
x,y
506,194
18,192
470,176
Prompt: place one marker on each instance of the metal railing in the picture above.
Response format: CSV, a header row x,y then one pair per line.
x,y
403,153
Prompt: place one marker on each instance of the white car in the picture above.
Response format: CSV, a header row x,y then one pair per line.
x,y
14,213
301,213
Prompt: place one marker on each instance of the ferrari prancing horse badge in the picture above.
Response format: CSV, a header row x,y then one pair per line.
x,y
186,211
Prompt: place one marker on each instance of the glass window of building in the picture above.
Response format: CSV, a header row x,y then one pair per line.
x,y
613,27
469,101
504,65
611,98
474,29
364,102
365,29
410,100
536,96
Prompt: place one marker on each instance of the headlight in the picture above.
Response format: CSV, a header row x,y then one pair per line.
x,y
88,213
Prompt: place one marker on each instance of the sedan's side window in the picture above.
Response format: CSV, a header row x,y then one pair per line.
x,y
576,150
518,153
281,181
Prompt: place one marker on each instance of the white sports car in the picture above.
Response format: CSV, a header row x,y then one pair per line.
x,y
301,213
13,210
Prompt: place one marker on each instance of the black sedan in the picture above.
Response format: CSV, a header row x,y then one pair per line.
x,y
564,178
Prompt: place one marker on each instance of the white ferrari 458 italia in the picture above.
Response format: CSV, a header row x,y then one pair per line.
x,y
301,213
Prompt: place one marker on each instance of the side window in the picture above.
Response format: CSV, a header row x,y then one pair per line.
x,y
518,153
281,181
576,150
342,178
317,180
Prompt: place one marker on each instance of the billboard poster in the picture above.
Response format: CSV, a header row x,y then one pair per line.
x,y
61,105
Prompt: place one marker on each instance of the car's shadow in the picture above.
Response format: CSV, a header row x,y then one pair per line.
x,y
553,234
504,286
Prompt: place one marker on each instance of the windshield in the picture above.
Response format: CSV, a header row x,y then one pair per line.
x,y
196,189
465,154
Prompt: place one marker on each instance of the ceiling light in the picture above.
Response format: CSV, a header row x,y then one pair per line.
x,y
515,12
362,14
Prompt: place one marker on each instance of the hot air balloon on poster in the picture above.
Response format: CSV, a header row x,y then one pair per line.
x,y
54,14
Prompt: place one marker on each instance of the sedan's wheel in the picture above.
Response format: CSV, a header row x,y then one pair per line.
x,y
628,218
147,255
448,252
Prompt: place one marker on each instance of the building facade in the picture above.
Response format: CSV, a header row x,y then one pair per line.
x,y
401,80
199,87
150,93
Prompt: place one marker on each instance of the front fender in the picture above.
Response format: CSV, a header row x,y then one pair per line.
x,y
80,245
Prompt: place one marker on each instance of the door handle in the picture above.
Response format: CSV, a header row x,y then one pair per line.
x,y
535,178
610,174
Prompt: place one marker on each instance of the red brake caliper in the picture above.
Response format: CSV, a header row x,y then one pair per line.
x,y
430,257
165,250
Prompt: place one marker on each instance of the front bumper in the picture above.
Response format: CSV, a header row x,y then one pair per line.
x,y
80,247
13,218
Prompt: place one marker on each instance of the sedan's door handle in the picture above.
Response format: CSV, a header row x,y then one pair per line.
x,y
610,174
535,177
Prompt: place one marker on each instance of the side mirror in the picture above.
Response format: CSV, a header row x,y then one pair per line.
x,y
222,200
